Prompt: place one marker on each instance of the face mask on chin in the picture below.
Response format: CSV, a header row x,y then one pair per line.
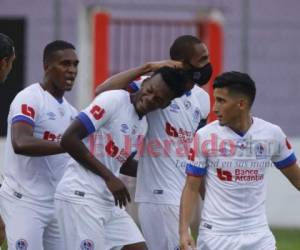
x,y
200,76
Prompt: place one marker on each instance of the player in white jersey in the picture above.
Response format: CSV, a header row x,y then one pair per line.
x,y
234,154
161,167
90,192
7,57
34,160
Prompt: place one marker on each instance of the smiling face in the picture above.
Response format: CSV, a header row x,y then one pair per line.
x,y
6,66
154,94
62,69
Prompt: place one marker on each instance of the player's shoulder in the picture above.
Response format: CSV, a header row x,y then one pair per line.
x,y
116,97
200,96
266,126
32,92
212,127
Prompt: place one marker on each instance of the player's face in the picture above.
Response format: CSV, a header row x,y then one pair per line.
x,y
154,94
62,70
199,56
226,107
6,66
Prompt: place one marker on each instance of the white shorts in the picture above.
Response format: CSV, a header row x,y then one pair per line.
x,y
247,241
86,227
159,225
29,226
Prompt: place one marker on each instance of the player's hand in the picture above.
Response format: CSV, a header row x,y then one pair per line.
x,y
166,63
118,190
187,242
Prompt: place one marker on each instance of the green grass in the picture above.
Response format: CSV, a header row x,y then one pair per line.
x,y
287,239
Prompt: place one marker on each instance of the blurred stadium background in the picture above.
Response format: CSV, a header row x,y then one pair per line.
x,y
254,36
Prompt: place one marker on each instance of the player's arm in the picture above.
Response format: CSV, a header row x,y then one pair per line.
x,y
122,80
188,202
129,167
293,174
25,143
71,142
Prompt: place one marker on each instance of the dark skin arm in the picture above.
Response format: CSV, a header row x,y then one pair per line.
x,y
71,142
121,80
129,167
25,143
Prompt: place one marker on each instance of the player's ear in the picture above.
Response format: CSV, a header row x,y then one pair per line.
x,y
243,103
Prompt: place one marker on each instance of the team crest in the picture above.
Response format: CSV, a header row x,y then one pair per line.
x,y
196,115
61,112
260,151
21,244
177,248
87,245
187,104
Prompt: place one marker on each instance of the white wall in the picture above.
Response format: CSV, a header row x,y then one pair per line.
x,y
283,200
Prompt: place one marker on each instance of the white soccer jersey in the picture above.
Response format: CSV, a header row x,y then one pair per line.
x,y
161,171
35,178
235,167
114,127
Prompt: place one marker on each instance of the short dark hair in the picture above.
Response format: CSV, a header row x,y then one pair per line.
x,y
6,46
176,79
237,82
181,47
54,46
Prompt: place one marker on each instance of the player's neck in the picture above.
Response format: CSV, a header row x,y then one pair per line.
x,y
133,101
55,92
243,124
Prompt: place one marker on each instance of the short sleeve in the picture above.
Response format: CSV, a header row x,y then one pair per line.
x,y
283,155
135,85
197,160
103,107
25,107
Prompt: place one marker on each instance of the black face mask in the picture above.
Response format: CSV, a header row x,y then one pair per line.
x,y
200,76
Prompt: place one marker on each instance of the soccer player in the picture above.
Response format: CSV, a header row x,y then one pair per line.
x,y
7,57
90,196
161,169
34,162
234,153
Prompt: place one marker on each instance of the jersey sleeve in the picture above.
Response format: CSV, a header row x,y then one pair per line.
x,y
25,108
205,105
283,155
135,85
197,159
99,112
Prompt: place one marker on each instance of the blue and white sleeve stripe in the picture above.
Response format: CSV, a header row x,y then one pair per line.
x,y
286,162
23,118
86,121
195,171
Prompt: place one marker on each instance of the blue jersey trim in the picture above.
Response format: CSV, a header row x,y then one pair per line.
x,y
22,118
188,93
86,121
195,171
286,162
133,87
